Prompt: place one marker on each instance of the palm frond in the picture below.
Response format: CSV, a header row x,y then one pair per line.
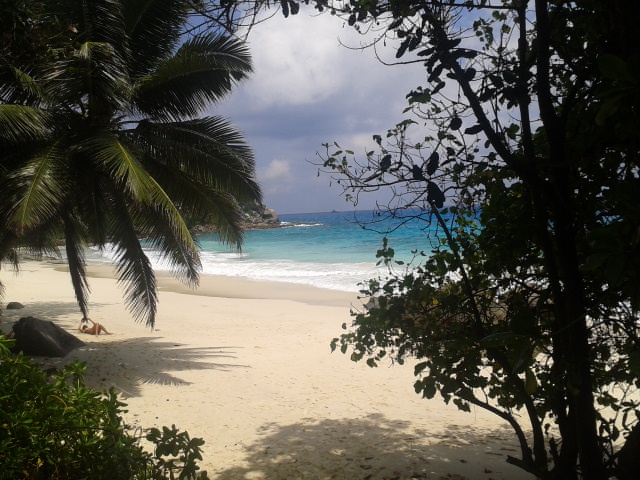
x,y
106,74
94,20
97,70
22,124
18,87
133,267
74,246
36,191
228,53
120,163
42,240
95,208
182,257
225,213
199,201
202,72
125,167
174,219
153,28
8,242
207,150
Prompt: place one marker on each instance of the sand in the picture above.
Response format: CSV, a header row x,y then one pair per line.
x,y
247,366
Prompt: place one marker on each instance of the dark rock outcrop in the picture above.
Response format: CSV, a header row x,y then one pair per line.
x,y
14,306
255,217
41,338
259,217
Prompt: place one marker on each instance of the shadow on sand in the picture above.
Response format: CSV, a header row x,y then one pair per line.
x,y
375,448
124,364
129,364
57,312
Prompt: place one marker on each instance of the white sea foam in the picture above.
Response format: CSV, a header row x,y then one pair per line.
x,y
334,276
324,250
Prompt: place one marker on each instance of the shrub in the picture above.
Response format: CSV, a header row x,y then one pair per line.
x,y
57,428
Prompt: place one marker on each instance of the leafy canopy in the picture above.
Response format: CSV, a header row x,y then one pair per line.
x,y
522,148
103,143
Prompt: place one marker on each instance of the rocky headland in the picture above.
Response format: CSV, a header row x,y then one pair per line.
x,y
255,217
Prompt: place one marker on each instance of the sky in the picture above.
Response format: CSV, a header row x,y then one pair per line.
x,y
307,89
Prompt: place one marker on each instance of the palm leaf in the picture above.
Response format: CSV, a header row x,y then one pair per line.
x,y
106,76
18,87
200,73
228,53
43,240
153,28
120,163
8,242
22,124
94,20
39,190
225,213
124,167
133,268
74,246
198,201
182,257
208,150
98,71
95,207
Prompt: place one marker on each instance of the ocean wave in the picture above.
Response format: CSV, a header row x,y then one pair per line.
x,y
333,276
345,277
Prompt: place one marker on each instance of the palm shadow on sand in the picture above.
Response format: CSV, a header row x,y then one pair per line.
x,y
128,363
375,448
57,312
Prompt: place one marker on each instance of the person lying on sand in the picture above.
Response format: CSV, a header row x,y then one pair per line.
x,y
95,329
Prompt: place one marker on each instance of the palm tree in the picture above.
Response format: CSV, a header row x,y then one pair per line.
x,y
103,142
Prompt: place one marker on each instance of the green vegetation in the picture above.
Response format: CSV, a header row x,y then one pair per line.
x,y
56,428
102,142
522,146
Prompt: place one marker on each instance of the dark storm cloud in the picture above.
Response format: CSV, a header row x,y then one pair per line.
x,y
307,90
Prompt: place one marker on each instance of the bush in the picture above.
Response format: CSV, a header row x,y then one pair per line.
x,y
57,428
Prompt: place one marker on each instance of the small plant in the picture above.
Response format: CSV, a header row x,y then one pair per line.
x,y
56,428
175,452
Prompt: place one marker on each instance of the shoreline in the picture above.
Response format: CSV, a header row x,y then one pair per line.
x,y
238,287
246,365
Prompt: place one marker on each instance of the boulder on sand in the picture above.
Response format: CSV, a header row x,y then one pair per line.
x,y
41,338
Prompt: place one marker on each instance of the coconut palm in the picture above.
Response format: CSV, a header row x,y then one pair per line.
x,y
104,144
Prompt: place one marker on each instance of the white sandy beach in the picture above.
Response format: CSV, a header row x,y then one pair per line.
x,y
247,366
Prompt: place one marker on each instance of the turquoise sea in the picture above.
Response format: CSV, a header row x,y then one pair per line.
x,y
328,250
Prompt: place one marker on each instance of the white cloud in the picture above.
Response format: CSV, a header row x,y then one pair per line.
x,y
294,61
307,90
277,170
300,61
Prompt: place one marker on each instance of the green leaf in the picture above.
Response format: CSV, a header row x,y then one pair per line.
x,y
456,123
419,368
500,339
473,130
614,68
595,261
615,268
